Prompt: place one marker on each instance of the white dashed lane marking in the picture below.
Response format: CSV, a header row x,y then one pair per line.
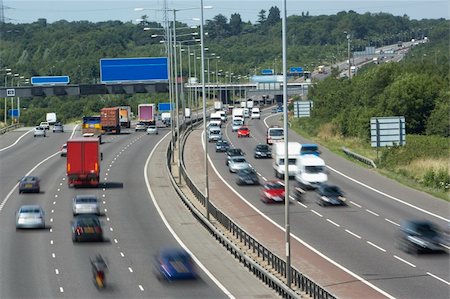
x,y
334,223
376,246
371,212
406,262
353,234
353,203
390,221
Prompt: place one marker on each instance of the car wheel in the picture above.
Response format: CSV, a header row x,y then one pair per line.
x,y
230,170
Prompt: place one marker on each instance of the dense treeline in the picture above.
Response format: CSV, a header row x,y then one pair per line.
x,y
74,49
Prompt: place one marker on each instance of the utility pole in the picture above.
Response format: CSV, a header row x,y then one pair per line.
x,y
348,54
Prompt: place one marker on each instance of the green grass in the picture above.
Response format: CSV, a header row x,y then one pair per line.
x,y
408,165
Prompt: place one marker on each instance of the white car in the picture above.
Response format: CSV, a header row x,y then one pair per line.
x,y
85,204
237,163
30,216
39,131
152,129
63,151
237,124
45,125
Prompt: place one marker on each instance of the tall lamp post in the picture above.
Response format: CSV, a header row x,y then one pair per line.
x,y
286,164
8,73
348,53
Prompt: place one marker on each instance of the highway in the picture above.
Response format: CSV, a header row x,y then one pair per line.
x,y
362,236
47,264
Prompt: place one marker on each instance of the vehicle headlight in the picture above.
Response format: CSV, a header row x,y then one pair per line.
x,y
325,198
342,198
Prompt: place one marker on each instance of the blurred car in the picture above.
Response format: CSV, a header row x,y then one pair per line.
x,y
272,192
30,216
247,176
45,125
330,195
63,150
86,228
213,125
140,127
237,123
233,152
152,130
262,151
243,131
58,127
85,204
29,184
214,134
420,236
39,131
175,264
280,109
222,145
274,110
237,163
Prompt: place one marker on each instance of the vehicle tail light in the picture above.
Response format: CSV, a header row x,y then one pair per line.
x,y
79,230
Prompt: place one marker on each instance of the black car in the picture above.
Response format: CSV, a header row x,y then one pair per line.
x,y
222,145
247,176
233,152
87,228
29,184
262,151
418,236
330,195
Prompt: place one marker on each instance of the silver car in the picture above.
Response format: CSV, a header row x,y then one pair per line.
x,y
39,131
30,216
85,204
237,163
152,129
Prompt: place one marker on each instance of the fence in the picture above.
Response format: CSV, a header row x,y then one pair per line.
x,y
299,281
10,128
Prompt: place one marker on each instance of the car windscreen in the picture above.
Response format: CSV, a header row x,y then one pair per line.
x,y
332,191
239,160
274,186
86,200
276,132
262,148
30,211
314,169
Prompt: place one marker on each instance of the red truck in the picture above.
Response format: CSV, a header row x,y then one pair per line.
x,y
146,114
110,120
83,162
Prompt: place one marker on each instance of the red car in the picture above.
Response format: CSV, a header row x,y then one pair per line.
x,y
243,131
272,192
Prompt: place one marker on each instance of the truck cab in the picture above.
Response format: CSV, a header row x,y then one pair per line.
x,y
311,171
279,158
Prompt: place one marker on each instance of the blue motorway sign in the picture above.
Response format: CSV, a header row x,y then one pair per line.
x,y
143,69
50,80
267,72
296,70
13,112
164,107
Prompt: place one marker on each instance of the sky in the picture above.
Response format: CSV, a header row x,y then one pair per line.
x,y
28,11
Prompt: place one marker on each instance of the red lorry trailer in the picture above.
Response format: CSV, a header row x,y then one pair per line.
x,y
83,162
146,114
110,120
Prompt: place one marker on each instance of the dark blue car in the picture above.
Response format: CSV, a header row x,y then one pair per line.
x,y
175,264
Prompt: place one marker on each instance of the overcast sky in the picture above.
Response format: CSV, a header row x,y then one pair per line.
x,y
27,11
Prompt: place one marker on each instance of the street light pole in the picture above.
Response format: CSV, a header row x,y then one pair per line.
x,y
286,160
348,54
202,42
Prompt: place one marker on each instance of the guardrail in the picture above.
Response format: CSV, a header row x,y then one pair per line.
x,y
299,281
10,128
359,157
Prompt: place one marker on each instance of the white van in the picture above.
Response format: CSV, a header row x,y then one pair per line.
x,y
256,113
311,171
215,117
278,154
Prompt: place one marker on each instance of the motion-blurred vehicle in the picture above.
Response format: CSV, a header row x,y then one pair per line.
x,y
86,228
272,192
63,150
99,269
237,123
152,130
45,125
222,145
243,131
85,204
330,195
29,184
58,127
247,176
237,163
233,152
39,131
30,216
140,127
175,264
420,236
262,151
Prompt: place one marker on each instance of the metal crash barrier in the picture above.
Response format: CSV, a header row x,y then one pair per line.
x,y
258,259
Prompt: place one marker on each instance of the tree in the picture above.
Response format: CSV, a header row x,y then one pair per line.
x,y
274,16
262,17
235,24
217,27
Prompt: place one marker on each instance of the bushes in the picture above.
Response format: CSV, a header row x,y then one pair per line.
x,y
439,179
